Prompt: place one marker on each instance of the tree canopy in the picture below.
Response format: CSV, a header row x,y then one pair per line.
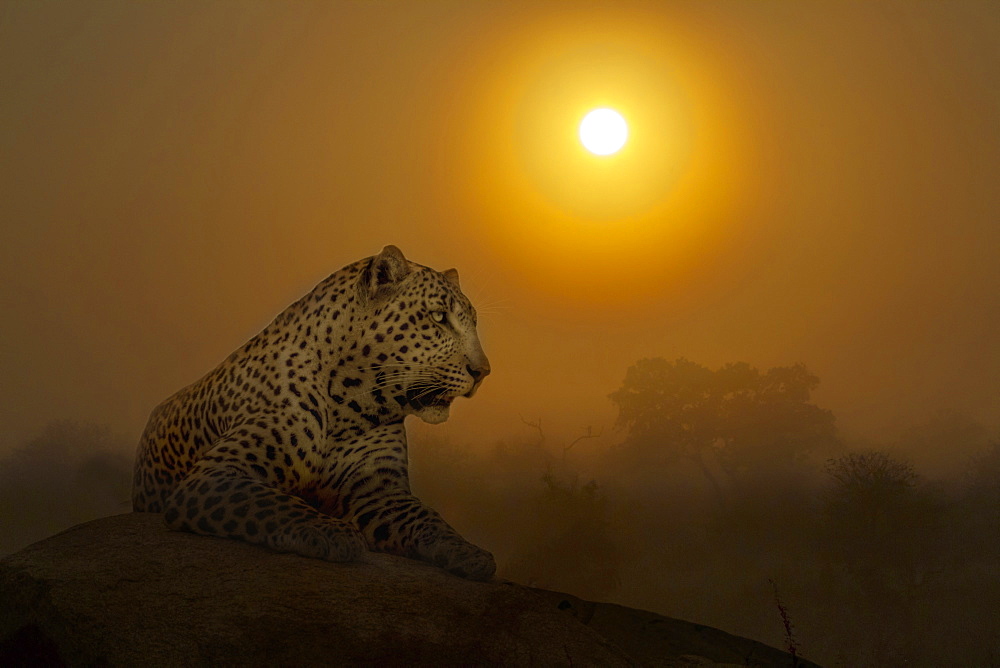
x,y
735,416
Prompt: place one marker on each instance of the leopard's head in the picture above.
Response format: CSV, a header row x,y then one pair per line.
x,y
421,334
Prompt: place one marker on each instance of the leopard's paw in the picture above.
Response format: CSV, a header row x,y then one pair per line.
x,y
466,560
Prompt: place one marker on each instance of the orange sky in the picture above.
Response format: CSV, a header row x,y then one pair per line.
x,y
804,182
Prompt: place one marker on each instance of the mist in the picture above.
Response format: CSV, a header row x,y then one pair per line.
x,y
70,473
876,559
819,194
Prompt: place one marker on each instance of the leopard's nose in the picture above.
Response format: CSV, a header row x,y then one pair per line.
x,y
478,373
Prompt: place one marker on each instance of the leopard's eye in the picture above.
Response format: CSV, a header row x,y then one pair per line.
x,y
439,316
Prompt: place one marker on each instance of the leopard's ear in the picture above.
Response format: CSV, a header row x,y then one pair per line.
x,y
452,276
382,274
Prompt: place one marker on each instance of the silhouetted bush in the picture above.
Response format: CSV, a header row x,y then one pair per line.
x,y
70,474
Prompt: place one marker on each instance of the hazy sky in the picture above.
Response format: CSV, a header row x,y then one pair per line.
x,y
804,182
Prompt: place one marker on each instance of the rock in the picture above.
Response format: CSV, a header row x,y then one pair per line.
x,y
124,591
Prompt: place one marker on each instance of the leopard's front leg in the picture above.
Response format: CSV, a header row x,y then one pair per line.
x,y
399,523
225,496
375,495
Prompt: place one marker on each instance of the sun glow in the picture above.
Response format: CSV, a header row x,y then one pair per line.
x,y
603,131
649,203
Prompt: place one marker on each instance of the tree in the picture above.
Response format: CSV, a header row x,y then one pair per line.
x,y
72,473
884,523
734,418
573,546
983,475
980,504
870,482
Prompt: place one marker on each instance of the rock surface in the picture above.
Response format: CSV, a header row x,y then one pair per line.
x,y
124,591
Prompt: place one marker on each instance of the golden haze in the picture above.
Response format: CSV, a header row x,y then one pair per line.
x,y
648,215
803,183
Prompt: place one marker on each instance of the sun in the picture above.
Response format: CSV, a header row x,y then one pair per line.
x,y
603,131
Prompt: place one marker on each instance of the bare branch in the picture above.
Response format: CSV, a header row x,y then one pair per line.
x,y
590,434
535,425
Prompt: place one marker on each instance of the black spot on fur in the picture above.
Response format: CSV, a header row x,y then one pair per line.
x,y
365,518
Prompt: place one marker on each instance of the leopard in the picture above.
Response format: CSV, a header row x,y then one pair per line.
x,y
296,441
